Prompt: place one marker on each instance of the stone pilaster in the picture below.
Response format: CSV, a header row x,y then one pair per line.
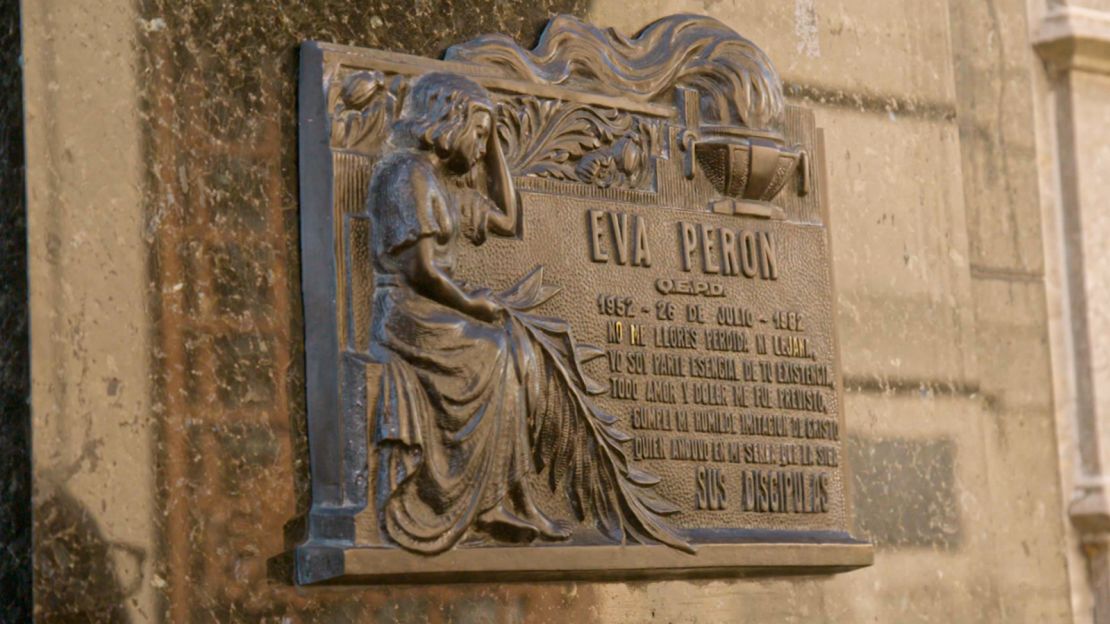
x,y
1074,43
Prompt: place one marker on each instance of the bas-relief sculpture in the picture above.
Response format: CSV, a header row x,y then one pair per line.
x,y
554,306
476,392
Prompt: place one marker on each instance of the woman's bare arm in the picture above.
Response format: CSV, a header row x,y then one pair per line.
x,y
429,280
502,222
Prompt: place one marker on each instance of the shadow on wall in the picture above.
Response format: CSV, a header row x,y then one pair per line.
x,y
80,575
15,379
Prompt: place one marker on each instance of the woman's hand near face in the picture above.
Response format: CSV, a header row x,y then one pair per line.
x,y
501,189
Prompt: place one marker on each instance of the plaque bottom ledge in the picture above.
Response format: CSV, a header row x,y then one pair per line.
x,y
338,564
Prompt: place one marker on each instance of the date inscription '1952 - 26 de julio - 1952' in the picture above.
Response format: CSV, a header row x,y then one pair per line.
x,y
480,383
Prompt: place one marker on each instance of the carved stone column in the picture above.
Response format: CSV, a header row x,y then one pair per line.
x,y
1074,43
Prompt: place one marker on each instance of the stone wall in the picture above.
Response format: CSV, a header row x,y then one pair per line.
x,y
928,114
167,395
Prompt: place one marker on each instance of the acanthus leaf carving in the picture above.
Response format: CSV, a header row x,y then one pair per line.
x,y
572,142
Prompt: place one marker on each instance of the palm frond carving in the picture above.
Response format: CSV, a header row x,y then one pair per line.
x,y
576,445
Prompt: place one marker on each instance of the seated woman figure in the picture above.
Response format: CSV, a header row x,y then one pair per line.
x,y
451,426
477,392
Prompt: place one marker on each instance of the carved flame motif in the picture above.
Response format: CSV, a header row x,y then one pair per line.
x,y
736,81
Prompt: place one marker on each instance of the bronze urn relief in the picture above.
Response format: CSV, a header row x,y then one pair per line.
x,y
745,164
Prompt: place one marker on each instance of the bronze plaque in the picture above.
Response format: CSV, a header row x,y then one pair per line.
x,y
568,313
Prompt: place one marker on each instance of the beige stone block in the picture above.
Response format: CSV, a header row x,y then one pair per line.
x,y
1097,5
896,48
899,247
994,64
90,396
1004,564
1030,549
788,601
1012,343
1023,478
915,586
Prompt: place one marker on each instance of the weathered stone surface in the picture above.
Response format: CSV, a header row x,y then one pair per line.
x,y
901,273
168,393
889,56
993,63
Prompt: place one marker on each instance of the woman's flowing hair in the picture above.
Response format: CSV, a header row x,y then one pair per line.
x,y
437,112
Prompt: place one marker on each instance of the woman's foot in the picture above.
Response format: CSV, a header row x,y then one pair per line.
x,y
553,530
504,524
548,529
